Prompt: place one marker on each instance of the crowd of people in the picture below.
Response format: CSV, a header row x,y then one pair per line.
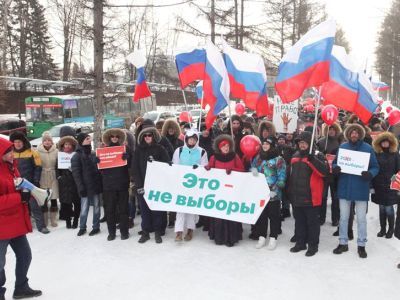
x,y
297,170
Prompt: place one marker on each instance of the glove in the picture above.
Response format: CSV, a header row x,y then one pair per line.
x,y
254,171
228,171
97,160
170,163
150,159
25,196
336,170
83,193
366,175
208,168
125,156
140,191
23,184
272,194
195,167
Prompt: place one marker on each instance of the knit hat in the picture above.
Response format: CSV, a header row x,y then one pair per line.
x,y
81,137
46,136
270,140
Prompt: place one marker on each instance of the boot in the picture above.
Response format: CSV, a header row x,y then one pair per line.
x,y
94,232
75,223
311,251
26,293
298,248
46,218
81,232
382,221
178,237
389,233
144,238
293,239
44,230
111,237
68,222
53,216
340,249
261,242
272,243
124,236
130,223
189,235
361,252
157,237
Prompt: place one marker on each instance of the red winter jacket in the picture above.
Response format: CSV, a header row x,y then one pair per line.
x,y
235,164
14,215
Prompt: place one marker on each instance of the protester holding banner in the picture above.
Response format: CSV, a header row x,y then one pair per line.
x,y
116,187
48,155
15,223
385,146
225,232
148,150
88,181
270,164
189,155
69,196
354,188
306,186
329,144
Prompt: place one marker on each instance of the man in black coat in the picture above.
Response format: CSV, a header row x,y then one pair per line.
x,y
88,181
148,150
305,191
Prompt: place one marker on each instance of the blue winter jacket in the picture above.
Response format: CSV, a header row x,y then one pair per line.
x,y
354,187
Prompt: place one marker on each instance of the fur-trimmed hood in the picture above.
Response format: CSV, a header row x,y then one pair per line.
x,y
266,125
221,138
153,130
171,123
385,136
106,138
67,139
336,126
355,126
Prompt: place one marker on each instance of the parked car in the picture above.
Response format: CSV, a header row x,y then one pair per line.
x,y
55,131
155,116
9,125
196,114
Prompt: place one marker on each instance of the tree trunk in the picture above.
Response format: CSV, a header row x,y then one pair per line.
x,y
212,21
236,24
241,24
98,44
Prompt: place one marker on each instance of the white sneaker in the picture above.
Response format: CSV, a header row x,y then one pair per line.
x,y
261,242
272,243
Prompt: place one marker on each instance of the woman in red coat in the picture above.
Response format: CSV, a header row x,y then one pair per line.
x,y
15,223
225,231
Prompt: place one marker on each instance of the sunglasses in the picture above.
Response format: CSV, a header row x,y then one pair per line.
x,y
148,135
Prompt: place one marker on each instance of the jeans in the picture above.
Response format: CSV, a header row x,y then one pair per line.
x,y
361,213
85,201
22,250
37,214
387,210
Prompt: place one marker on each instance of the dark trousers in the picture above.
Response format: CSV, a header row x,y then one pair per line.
x,y
70,210
116,209
335,211
272,213
152,220
307,226
23,254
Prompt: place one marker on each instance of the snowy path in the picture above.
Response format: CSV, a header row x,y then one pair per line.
x,y
69,267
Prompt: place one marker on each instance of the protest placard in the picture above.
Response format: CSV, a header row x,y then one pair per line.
x,y
353,162
111,157
285,115
238,197
64,160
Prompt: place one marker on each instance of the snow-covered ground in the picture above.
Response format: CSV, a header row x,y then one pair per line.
x,y
69,267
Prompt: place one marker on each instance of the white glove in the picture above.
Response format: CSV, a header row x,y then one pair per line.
x,y
272,194
254,171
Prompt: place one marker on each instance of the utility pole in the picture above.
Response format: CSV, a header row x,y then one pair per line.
x,y
98,103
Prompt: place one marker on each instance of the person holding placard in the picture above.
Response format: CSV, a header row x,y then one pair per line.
x,y
354,188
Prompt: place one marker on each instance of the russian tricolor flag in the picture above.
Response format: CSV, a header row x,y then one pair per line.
x,y
199,91
306,64
247,77
367,101
342,88
138,59
216,83
190,63
379,86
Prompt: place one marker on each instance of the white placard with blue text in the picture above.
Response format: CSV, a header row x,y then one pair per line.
x,y
353,162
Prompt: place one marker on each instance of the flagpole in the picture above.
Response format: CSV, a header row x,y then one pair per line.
x,y
230,118
183,92
184,99
315,119
201,108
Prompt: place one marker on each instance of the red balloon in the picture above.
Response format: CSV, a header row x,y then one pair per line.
x,y
185,116
394,117
239,109
309,108
389,109
250,145
329,114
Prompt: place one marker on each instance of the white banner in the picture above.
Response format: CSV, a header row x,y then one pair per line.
x,y
64,160
238,197
352,162
285,115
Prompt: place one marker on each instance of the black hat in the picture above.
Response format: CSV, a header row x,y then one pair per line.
x,y
81,137
270,140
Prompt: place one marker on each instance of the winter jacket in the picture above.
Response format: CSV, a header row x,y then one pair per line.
x,y
230,161
48,179
173,139
332,145
115,179
190,156
389,165
14,215
273,167
86,175
206,144
143,152
354,187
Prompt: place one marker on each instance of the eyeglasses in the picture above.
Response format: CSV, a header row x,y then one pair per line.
x,y
148,135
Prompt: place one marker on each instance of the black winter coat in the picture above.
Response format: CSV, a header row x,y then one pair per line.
x,y
68,191
86,175
116,179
